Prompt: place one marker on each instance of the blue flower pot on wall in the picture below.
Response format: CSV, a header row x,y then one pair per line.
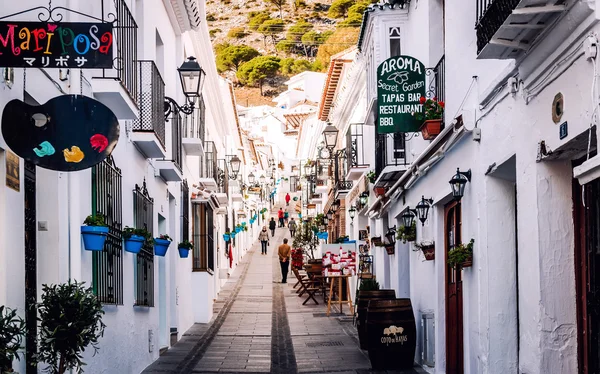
x,y
183,252
94,237
134,243
161,246
226,237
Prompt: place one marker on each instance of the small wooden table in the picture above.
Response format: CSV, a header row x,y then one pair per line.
x,y
339,300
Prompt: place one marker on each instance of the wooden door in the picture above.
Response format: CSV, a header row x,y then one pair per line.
x,y
454,307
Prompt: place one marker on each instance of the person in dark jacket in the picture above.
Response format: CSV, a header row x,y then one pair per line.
x,y
272,225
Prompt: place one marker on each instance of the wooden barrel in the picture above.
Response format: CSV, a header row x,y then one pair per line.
x,y
391,334
362,302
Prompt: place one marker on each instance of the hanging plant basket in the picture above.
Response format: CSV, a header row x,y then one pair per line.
x,y
379,191
134,243
390,249
467,263
161,246
431,128
376,240
94,237
428,252
183,252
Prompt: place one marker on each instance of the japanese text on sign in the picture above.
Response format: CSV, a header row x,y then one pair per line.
x,y
56,45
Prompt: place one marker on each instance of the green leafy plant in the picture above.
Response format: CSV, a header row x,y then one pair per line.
x,y
12,330
305,239
460,253
186,244
407,234
372,176
165,237
70,317
128,232
95,220
368,285
432,109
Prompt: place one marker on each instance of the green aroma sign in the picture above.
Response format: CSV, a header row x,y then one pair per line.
x,y
400,86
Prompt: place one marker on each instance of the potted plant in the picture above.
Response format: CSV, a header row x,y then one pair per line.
x,y
376,240
227,236
407,234
161,244
461,255
433,111
12,330
428,249
94,232
379,191
135,238
70,319
390,248
245,228
371,176
184,248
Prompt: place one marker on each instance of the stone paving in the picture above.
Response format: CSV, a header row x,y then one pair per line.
x,y
261,326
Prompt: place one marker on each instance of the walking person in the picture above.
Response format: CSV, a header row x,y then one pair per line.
x,y
287,199
272,225
292,226
280,216
284,259
286,215
264,240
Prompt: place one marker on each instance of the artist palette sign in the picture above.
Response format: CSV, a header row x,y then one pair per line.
x,y
400,86
56,45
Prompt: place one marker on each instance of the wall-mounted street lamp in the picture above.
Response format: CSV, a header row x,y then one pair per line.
x,y
251,178
192,78
364,198
330,215
234,165
326,220
391,235
422,209
262,179
352,212
408,217
330,134
335,206
458,183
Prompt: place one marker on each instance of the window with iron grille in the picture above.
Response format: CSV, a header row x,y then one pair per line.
x,y
185,211
203,256
107,265
143,215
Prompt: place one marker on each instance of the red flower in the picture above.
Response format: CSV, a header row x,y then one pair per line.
x,y
422,100
435,98
441,104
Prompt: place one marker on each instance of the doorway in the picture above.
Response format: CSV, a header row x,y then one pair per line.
x,y
586,217
454,298
30,267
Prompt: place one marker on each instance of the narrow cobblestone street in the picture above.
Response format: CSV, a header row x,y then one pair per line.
x,y
261,326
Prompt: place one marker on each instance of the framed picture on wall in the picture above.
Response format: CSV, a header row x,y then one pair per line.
x,y
362,234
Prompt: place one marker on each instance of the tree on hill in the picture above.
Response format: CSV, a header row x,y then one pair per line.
x,y
342,38
285,45
279,4
339,8
295,32
312,40
220,47
271,28
233,56
256,19
258,69
291,66
355,15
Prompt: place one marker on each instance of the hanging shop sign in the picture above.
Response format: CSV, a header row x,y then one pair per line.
x,y
67,133
400,86
56,45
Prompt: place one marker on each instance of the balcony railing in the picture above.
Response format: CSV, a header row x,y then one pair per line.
x,y
355,146
390,150
223,176
491,14
344,186
208,165
176,147
194,124
125,41
151,101
440,79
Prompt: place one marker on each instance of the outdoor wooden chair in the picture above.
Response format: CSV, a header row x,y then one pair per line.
x,y
302,276
306,286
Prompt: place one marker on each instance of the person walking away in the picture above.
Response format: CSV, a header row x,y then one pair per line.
x,y
292,226
272,226
284,259
264,240
286,215
287,199
280,216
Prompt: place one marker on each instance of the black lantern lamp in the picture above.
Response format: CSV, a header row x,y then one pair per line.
x,y
364,198
458,183
326,220
352,212
422,209
262,179
330,215
391,235
192,79
408,217
335,205
235,164
307,168
330,134
269,173
251,178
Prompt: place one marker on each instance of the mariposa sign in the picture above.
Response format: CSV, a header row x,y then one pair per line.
x,y
400,86
56,45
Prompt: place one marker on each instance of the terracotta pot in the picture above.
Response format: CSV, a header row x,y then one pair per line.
x,y
379,191
390,249
431,128
376,240
468,263
429,253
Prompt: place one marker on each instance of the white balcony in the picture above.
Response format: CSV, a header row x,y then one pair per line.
x,y
237,197
168,171
222,198
148,143
193,146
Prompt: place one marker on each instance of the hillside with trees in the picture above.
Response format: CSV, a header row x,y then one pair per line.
x,y
259,44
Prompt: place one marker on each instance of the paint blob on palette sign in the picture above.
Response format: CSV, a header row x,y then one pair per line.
x,y
56,45
68,133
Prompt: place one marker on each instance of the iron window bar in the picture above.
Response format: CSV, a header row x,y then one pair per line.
x,y
185,211
151,98
143,213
